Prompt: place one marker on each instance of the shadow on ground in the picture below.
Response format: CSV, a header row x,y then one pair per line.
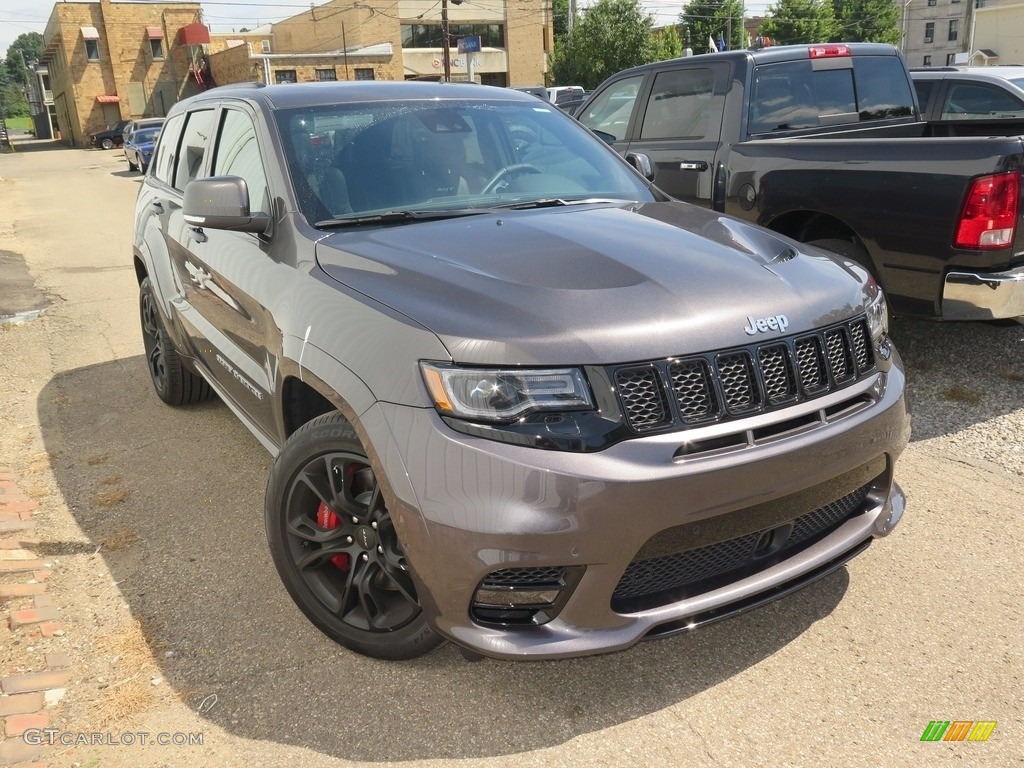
x,y
200,577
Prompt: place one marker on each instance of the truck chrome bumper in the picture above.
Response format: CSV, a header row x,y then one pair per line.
x,y
983,296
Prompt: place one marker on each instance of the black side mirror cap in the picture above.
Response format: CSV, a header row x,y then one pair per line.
x,y
222,202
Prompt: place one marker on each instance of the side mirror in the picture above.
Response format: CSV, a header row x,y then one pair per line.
x,y
222,202
642,163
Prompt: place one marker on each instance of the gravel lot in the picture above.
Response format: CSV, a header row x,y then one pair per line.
x,y
175,620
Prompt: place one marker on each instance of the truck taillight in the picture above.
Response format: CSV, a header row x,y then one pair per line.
x,y
989,216
826,51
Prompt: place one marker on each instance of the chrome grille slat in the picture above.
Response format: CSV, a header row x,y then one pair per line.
x,y
732,383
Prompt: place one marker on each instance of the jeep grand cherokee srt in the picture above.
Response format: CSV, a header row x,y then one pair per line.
x,y
517,398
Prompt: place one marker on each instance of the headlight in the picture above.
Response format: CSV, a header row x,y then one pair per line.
x,y
877,313
500,395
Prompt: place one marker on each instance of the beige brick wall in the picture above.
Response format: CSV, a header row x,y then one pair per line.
x,y
126,67
527,25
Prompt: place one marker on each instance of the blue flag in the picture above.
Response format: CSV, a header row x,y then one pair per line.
x,y
721,42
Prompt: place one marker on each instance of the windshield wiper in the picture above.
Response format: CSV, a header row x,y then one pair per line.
x,y
392,217
556,202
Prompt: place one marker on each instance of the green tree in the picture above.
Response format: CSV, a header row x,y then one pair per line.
x,y
25,48
607,37
801,21
867,21
667,44
560,18
707,20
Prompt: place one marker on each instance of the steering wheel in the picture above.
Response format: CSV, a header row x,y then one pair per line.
x,y
497,178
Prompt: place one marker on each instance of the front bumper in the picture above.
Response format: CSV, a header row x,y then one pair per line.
x,y
983,296
465,507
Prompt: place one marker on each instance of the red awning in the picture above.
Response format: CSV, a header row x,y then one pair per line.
x,y
194,34
154,33
104,99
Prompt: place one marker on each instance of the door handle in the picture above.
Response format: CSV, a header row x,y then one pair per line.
x,y
197,234
693,165
157,206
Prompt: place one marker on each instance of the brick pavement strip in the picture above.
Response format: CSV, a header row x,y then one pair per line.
x,y
21,703
18,542
18,506
34,681
14,751
8,591
58,660
16,554
17,566
12,526
18,724
33,616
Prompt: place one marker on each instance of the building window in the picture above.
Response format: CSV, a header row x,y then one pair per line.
x,y
265,46
929,31
931,3
429,35
285,76
950,59
927,61
364,73
156,47
326,75
954,28
92,50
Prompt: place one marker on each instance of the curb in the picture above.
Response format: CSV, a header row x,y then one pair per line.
x,y
26,611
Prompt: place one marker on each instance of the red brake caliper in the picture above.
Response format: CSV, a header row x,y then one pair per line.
x,y
326,518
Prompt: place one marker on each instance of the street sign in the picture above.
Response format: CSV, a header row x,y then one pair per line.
x,y
469,44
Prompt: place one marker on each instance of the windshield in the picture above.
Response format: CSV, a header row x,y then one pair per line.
x,y
350,160
144,135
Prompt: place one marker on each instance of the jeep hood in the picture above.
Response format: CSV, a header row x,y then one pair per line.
x,y
591,284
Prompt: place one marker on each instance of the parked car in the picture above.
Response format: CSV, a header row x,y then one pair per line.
x,y
562,93
517,398
143,122
537,90
138,149
824,144
572,102
109,138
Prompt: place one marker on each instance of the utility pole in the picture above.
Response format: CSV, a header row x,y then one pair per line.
x,y
447,39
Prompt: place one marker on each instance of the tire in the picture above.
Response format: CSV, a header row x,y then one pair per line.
x,y
107,144
335,547
132,166
143,168
175,384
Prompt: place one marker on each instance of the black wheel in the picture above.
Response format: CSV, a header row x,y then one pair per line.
x,y
335,546
174,383
132,166
107,143
143,168
510,170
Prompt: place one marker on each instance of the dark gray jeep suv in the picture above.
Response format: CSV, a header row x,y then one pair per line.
x,y
517,398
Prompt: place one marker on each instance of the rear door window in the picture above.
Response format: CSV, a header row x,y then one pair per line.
x,y
679,106
194,141
975,101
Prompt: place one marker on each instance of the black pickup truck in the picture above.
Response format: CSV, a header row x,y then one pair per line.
x,y
825,144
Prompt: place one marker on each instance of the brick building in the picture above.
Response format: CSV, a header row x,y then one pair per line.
x,y
109,61
355,40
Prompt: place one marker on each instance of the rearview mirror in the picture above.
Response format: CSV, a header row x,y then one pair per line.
x,y
222,202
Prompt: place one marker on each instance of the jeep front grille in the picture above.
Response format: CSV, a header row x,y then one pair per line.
x,y
733,383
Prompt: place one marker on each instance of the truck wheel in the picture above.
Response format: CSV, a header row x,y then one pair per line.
x,y
174,382
335,546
